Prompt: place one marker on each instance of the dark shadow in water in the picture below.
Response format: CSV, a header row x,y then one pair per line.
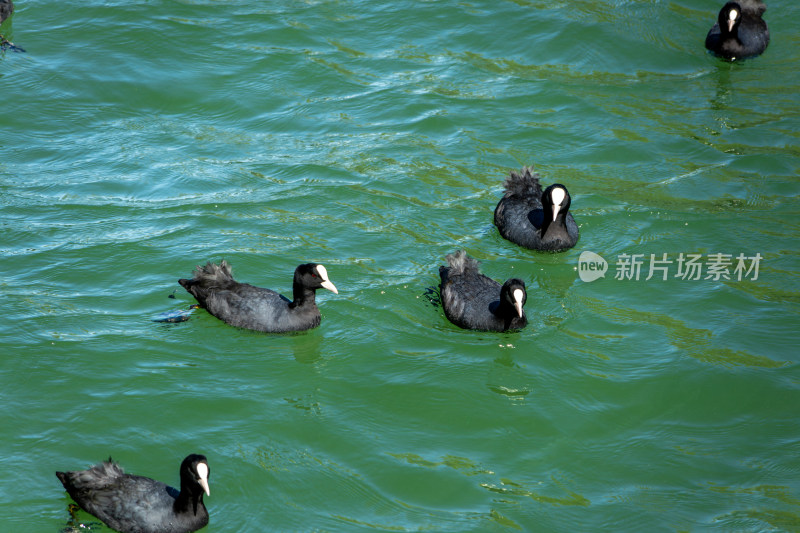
x,y
433,296
305,345
722,77
6,45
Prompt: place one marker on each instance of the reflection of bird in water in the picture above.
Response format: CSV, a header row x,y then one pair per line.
x,y
6,8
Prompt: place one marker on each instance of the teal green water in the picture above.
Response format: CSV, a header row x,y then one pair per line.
x,y
140,139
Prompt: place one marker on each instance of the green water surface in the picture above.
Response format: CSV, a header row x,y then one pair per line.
x,y
139,139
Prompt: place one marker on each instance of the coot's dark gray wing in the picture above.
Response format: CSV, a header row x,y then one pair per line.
x,y
256,308
467,300
753,34
518,220
518,215
713,38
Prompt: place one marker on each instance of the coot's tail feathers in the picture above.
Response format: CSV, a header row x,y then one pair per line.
x,y
460,263
98,475
210,275
524,183
214,273
753,6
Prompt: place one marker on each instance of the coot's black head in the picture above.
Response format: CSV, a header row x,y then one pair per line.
x,y
729,17
555,203
313,276
513,293
195,473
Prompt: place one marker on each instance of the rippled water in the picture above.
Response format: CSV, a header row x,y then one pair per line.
x,y
139,140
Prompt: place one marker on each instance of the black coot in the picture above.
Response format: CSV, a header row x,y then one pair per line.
x,y
534,219
740,31
245,306
136,504
6,8
474,301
